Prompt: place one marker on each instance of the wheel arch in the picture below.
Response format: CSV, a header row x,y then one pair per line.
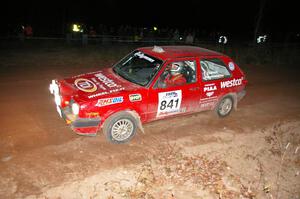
x,y
233,96
132,112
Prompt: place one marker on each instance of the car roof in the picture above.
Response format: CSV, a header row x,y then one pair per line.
x,y
171,52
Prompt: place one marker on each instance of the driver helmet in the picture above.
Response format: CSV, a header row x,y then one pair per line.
x,y
176,68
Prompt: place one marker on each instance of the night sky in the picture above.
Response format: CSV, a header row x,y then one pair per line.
x,y
233,17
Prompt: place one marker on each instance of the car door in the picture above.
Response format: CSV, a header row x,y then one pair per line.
x,y
165,101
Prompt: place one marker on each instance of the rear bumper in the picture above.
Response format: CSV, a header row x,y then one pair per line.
x,y
82,126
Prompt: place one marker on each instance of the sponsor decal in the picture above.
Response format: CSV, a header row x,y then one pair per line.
x,y
231,66
208,102
143,56
232,83
210,87
97,95
92,114
169,103
135,97
101,86
105,92
105,80
209,94
85,85
109,101
172,94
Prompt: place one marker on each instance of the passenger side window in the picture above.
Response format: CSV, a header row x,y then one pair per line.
x,y
213,69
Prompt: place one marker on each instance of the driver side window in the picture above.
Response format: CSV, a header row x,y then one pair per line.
x,y
178,73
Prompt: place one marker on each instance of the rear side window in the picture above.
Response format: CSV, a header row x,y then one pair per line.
x,y
213,69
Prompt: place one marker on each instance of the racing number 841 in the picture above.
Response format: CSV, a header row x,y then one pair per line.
x,y
172,104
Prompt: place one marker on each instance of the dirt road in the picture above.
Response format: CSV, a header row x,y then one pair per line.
x,y
40,157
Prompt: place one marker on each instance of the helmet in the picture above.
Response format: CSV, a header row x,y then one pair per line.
x,y
176,68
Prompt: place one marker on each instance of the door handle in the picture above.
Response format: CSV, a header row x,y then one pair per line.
x,y
194,88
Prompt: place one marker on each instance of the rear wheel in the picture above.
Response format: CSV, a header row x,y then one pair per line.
x,y
224,107
120,128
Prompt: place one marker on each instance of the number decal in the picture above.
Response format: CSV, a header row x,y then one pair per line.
x,y
172,104
163,105
169,103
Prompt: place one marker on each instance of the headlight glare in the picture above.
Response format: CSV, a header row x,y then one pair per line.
x,y
75,108
54,89
57,100
51,88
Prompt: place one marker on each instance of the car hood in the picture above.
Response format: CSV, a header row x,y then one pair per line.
x,y
95,85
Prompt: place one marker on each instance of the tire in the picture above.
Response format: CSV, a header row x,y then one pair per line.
x,y
120,128
224,107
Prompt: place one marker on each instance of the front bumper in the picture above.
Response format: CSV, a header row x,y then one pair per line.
x,y
82,126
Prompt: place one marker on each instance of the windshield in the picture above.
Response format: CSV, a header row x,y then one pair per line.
x,y
138,68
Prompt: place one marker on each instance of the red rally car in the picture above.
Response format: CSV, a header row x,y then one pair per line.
x,y
150,83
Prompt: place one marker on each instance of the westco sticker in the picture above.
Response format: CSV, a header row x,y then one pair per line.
x,y
135,97
109,101
231,83
85,85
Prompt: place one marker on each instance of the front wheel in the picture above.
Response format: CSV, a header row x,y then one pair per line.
x,y
224,107
120,128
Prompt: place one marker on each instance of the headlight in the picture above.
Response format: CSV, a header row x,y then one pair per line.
x,y
75,108
54,87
